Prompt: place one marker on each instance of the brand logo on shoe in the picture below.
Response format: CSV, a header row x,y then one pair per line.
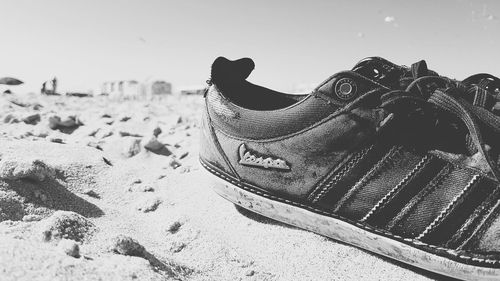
x,y
345,88
250,159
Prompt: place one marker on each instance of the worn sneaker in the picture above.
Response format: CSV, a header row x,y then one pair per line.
x,y
396,160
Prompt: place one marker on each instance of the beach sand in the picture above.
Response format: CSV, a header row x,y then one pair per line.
x,y
99,189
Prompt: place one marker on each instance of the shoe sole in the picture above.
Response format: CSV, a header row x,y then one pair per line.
x,y
346,232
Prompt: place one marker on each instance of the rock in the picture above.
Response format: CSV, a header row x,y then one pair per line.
x,y
40,132
90,192
148,205
174,227
127,246
69,247
141,188
152,144
128,134
10,118
177,246
131,147
156,131
173,163
250,272
104,133
31,218
67,225
70,121
94,145
32,119
14,169
135,181
124,118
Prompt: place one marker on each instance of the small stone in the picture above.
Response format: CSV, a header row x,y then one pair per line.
x,y
148,205
70,121
31,218
128,134
135,181
132,147
127,246
104,133
67,225
69,247
32,119
91,193
174,227
10,118
141,188
161,177
156,131
177,247
152,144
174,163
124,118
250,272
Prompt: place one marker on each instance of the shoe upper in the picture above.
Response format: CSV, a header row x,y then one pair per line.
x,y
399,150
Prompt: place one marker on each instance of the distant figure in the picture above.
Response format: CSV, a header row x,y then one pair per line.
x,y
44,89
54,85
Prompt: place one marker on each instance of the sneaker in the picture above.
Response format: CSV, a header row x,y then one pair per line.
x,y
396,160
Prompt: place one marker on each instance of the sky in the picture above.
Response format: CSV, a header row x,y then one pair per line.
x,y
293,43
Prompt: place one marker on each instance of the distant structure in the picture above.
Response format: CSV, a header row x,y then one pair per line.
x,y
130,89
194,90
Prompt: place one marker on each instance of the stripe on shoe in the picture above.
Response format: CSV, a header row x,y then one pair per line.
x,y
433,202
464,216
338,183
389,171
410,186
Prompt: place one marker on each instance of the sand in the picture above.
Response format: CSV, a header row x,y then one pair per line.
x,y
99,189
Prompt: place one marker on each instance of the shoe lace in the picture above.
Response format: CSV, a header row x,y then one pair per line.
x,y
433,95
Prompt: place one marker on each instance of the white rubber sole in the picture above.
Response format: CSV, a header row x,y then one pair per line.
x,y
349,233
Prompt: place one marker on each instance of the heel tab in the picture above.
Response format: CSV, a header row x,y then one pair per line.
x,y
226,72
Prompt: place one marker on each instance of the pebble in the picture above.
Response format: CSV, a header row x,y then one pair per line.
x,y
69,247
148,205
32,119
131,147
152,144
30,218
177,246
127,246
91,193
174,227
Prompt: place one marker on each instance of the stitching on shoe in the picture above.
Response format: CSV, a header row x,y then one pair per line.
x,y
382,202
446,210
339,174
453,253
486,206
377,168
435,182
